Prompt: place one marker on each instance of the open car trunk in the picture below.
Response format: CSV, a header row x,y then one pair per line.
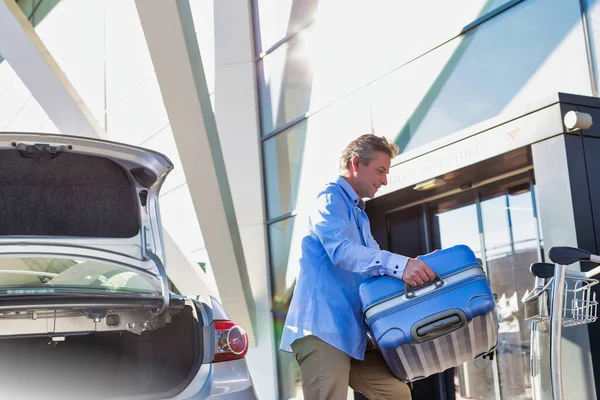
x,y
106,364
85,308
82,196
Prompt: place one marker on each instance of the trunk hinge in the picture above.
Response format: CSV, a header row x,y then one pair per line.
x,y
164,283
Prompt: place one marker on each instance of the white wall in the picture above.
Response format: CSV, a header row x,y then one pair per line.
x,y
19,111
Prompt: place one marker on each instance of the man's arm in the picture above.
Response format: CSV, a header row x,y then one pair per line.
x,y
332,226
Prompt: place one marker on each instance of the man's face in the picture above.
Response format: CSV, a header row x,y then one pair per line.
x,y
369,178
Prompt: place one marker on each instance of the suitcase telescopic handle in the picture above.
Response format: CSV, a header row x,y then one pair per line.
x,y
438,324
409,291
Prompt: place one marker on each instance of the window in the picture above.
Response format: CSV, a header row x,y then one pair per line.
x,y
504,223
276,19
285,82
37,275
283,281
283,156
300,160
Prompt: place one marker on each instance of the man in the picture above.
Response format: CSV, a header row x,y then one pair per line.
x,y
325,328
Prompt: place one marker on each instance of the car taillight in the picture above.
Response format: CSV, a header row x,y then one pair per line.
x,y
232,341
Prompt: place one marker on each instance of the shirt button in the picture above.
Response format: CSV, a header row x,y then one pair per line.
x,y
395,271
396,267
376,262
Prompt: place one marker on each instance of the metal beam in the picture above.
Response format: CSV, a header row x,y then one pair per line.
x,y
171,38
27,55
33,63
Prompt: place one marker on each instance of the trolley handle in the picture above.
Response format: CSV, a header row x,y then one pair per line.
x,y
546,271
542,270
570,255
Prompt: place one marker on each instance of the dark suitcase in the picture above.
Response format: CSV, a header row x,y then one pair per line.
x,y
426,330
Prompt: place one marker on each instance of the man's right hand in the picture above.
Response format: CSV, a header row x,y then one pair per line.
x,y
417,273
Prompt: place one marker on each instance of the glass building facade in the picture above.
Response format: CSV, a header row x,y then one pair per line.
x,y
423,75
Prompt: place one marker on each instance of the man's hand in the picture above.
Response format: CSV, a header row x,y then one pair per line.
x,y
417,273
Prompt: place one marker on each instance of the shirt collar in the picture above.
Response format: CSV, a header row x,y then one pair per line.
x,y
358,202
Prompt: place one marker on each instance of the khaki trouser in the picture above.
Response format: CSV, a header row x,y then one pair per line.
x,y
327,372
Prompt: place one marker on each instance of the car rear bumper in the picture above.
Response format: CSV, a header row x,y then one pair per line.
x,y
221,381
244,394
231,380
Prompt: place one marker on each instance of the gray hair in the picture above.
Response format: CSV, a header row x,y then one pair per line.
x,y
365,147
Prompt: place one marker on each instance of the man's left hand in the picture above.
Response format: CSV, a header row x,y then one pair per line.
x,y
417,273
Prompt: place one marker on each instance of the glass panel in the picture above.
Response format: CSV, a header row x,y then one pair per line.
x,y
42,8
283,162
368,41
278,18
510,242
453,87
474,379
283,279
31,275
300,160
459,226
283,282
592,11
27,7
285,82
375,33
540,347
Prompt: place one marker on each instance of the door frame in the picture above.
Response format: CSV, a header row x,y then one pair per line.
x,y
473,195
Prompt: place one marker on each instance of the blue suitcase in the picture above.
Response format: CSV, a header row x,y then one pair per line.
x,y
426,330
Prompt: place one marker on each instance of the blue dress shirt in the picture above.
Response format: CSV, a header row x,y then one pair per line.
x,y
338,253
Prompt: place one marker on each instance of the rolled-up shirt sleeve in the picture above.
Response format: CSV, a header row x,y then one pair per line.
x,y
334,227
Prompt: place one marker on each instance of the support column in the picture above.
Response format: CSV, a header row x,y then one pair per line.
x,y
236,110
171,38
566,216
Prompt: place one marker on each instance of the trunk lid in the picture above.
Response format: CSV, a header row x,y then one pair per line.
x,y
66,196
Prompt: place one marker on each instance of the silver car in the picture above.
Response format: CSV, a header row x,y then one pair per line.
x,y
85,306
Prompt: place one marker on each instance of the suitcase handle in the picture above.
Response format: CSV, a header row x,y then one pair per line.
x,y
438,324
409,290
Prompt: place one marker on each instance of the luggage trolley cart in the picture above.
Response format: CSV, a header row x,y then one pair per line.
x,y
560,298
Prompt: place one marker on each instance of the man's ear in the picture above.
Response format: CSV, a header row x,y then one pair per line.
x,y
355,162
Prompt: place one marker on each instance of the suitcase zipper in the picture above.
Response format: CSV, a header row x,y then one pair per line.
x,y
450,277
380,309
398,307
448,280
